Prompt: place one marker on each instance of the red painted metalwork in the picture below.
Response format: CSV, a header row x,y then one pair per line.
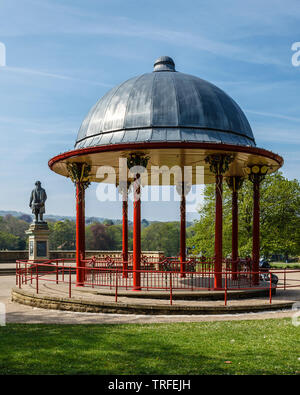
x,y
256,231
70,283
80,233
182,233
225,290
125,236
171,289
169,280
116,288
224,148
218,232
37,279
157,145
83,230
234,255
136,257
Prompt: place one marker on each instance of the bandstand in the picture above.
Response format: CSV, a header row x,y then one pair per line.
x,y
155,122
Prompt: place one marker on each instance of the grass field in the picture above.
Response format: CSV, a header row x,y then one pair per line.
x,y
236,347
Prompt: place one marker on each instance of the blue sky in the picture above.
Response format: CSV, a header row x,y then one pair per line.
x,y
62,56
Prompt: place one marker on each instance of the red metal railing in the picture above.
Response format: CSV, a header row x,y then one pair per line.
x,y
199,276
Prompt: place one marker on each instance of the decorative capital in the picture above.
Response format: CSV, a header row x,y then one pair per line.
x,y
256,173
137,159
219,163
234,183
79,172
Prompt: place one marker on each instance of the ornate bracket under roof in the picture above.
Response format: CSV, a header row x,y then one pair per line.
x,y
219,163
234,183
256,173
137,159
79,173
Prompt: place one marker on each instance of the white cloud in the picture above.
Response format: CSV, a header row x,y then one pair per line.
x,y
274,115
53,19
40,73
275,134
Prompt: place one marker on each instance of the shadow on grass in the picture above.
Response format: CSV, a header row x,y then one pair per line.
x,y
251,347
105,349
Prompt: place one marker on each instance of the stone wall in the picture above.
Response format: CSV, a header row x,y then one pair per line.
x,y
13,256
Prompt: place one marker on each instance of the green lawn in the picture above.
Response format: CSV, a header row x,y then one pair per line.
x,y
252,347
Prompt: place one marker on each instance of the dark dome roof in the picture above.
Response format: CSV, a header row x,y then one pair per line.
x,y
165,106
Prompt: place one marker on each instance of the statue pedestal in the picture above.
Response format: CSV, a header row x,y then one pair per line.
x,y
38,241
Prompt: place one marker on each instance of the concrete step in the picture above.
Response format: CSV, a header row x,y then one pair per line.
x,y
7,272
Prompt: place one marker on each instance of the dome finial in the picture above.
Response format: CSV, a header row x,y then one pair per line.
x,y
164,63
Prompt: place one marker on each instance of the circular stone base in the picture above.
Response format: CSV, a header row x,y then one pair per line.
x,y
181,295
55,297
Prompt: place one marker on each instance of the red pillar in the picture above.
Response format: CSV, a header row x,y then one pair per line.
x,y
255,232
136,235
182,233
234,255
218,232
80,234
125,236
83,234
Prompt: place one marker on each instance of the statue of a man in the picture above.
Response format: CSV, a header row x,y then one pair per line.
x,y
37,201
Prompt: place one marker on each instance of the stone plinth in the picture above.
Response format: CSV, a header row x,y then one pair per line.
x,y
38,241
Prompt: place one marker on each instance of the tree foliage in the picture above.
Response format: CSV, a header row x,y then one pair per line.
x,y
8,241
97,237
162,236
279,218
12,232
62,235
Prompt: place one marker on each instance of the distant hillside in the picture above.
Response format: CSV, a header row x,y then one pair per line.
x,y
53,218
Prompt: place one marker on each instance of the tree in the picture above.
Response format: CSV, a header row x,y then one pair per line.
x,y
9,241
279,216
161,236
144,223
108,222
115,234
97,237
12,226
26,217
62,235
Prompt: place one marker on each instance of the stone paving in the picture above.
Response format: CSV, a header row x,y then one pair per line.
x,y
17,313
